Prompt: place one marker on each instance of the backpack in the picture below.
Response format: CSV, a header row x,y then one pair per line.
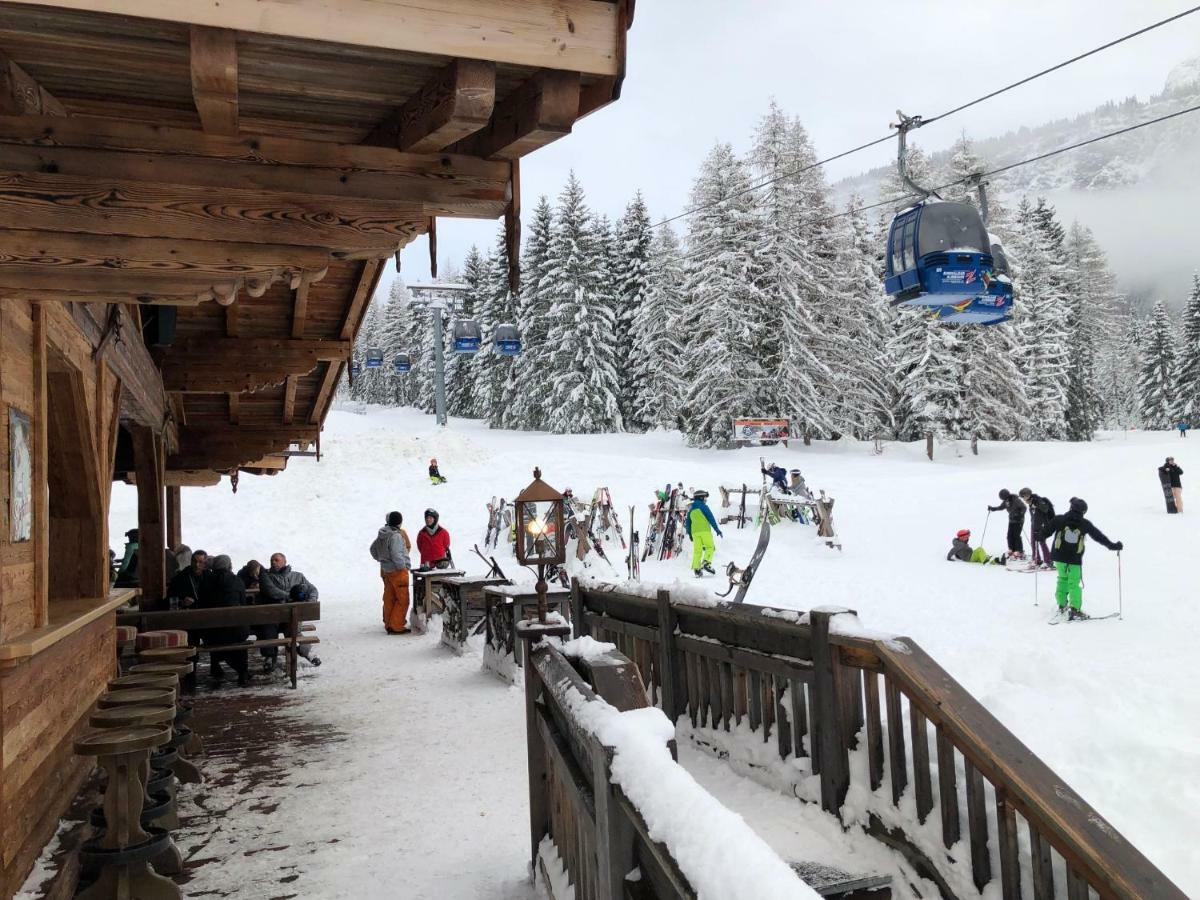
x,y
379,547
1070,535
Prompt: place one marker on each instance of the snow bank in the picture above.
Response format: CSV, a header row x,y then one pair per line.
x,y
722,858
586,647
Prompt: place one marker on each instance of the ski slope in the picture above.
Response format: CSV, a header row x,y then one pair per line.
x,y
1112,706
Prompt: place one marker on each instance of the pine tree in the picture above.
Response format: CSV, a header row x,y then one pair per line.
x,y
657,337
928,376
582,329
529,408
460,367
632,277
1119,367
1156,384
369,386
1188,381
1091,299
494,384
729,326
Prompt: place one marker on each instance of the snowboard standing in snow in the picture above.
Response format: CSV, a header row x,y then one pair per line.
x,y
741,578
1168,494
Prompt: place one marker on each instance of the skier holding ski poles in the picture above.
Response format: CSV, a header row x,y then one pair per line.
x,y
700,525
1069,533
1041,511
1016,521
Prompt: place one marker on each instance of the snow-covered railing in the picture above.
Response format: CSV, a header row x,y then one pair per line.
x,y
613,816
787,696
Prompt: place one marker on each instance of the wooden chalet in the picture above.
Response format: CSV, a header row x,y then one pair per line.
x,y
197,199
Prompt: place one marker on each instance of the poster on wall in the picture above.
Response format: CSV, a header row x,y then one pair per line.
x,y
763,432
20,473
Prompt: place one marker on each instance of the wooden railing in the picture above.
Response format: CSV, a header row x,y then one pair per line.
x,y
821,694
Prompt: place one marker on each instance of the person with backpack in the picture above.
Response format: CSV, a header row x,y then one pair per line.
x,y
435,475
1069,532
1041,511
433,542
1169,473
700,525
1016,522
390,549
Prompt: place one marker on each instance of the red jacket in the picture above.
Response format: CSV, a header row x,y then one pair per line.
x,y
434,547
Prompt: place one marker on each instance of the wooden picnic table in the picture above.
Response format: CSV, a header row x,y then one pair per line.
x,y
291,615
425,593
464,606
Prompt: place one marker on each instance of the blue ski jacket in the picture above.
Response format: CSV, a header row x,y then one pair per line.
x,y
701,507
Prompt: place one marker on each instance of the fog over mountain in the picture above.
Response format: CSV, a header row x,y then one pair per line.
x,y
1139,192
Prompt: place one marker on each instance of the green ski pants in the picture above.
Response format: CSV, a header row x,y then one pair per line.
x,y
1070,578
703,547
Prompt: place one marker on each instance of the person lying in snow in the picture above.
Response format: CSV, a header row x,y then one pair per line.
x,y
960,550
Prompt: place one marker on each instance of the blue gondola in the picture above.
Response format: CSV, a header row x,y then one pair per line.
x,y
401,364
937,255
355,369
508,340
467,336
374,358
991,308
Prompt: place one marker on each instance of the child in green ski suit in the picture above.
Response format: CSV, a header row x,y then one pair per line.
x,y
700,526
1069,532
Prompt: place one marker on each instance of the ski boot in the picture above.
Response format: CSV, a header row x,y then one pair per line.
x,y
1077,615
707,567
1060,615
699,573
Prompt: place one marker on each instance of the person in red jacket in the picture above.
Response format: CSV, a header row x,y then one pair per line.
x,y
433,541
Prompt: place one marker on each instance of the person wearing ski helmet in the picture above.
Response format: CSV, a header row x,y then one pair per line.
x,y
1016,522
1041,511
433,542
778,475
1068,533
435,476
700,524
960,547
390,549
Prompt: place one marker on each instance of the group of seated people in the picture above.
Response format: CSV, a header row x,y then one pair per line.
x,y
209,582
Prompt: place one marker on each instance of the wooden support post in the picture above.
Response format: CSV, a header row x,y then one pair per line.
x,y
829,712
214,65
668,675
149,456
432,232
579,625
539,815
614,831
41,471
512,228
929,445
174,517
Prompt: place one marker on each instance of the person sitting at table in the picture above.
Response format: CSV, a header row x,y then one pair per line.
x,y
127,571
275,585
188,583
221,589
250,574
433,541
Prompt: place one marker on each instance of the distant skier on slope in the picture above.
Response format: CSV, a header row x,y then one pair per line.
x,y
1016,522
435,475
700,525
1069,532
1041,511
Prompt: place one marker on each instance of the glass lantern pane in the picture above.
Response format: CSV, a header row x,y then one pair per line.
x,y
539,530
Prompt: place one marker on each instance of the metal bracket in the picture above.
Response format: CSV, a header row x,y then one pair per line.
x,y
908,123
111,332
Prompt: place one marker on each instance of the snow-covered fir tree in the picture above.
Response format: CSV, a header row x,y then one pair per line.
x,y
658,337
1091,300
530,407
1156,384
494,384
927,372
1118,370
460,367
1187,383
370,386
730,327
582,365
634,241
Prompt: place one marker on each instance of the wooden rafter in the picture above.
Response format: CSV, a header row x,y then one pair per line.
x,y
581,35
21,95
455,104
238,365
541,110
214,65
233,314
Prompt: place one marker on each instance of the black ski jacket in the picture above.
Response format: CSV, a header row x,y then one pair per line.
x,y
1171,472
1069,531
1015,506
1041,510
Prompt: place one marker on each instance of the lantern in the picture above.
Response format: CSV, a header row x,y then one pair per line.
x,y
541,539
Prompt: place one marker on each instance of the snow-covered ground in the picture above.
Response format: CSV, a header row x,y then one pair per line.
x,y
1112,706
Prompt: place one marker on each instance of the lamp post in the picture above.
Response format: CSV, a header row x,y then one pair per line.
x,y
541,539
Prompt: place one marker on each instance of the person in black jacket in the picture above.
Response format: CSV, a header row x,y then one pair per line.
x,y
187,584
1016,522
1041,511
222,589
1069,532
1170,472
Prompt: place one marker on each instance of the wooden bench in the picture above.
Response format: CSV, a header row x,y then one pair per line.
x,y
291,615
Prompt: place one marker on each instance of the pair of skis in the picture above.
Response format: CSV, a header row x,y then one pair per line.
x,y
741,578
500,516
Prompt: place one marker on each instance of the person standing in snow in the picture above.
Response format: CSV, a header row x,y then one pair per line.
x,y
435,475
390,549
1069,533
700,525
1016,522
1170,472
778,475
433,541
1183,429
1041,511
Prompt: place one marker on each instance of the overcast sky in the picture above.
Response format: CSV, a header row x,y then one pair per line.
x,y
700,71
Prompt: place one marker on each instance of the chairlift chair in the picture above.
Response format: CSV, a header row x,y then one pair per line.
x,y
401,364
467,336
508,340
355,368
374,358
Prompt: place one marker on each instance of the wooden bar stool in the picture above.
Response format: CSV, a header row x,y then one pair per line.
x,y
138,697
166,654
184,770
162,668
190,742
123,852
144,680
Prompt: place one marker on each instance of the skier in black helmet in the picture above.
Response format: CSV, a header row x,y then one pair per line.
x,y
1016,521
1069,532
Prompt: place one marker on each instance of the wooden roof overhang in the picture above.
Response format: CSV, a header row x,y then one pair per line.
x,y
255,164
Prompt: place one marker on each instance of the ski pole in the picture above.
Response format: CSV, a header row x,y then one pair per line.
x,y
985,525
1120,590
1035,587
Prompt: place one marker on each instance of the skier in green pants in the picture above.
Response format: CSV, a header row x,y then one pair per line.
x,y
700,526
1069,532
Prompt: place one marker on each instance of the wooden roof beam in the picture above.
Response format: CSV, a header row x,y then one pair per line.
x,y
581,35
540,111
214,66
22,95
237,365
455,104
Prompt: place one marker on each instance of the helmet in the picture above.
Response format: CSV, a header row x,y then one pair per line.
x,y
1078,505
567,492
432,512
1004,494
700,494
963,534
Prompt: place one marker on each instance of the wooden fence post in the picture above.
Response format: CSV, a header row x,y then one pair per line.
x,y
829,712
614,831
539,818
668,679
579,625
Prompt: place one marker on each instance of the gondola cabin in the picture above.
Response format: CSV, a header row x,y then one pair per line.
x,y
508,340
467,336
990,308
374,358
355,369
937,255
402,364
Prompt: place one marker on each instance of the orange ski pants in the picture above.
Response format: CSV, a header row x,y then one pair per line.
x,y
395,599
